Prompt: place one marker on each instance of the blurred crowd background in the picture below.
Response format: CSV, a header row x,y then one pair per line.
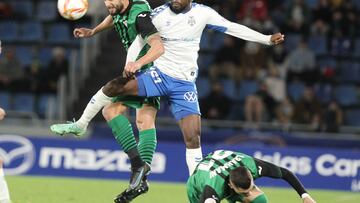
x,y
312,79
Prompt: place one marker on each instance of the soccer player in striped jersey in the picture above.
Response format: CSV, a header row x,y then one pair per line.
x,y
230,175
129,18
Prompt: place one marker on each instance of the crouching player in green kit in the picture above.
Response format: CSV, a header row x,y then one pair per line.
x,y
230,175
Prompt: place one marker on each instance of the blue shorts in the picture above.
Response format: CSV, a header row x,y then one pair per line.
x,y
182,94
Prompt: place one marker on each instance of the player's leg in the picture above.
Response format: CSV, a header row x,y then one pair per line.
x,y
186,110
191,129
116,87
124,135
4,190
145,122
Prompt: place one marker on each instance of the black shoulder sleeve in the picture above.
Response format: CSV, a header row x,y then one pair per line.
x,y
267,169
144,26
209,192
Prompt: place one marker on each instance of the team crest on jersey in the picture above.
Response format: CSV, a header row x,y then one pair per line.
x,y
191,21
190,96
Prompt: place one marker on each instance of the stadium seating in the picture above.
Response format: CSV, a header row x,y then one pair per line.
x,y
23,8
59,34
346,95
47,106
46,11
24,54
318,45
295,90
9,31
352,117
31,32
247,87
5,100
203,87
45,56
291,42
349,72
24,102
230,90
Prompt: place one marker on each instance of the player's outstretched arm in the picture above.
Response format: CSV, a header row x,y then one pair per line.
x,y
216,22
266,169
86,32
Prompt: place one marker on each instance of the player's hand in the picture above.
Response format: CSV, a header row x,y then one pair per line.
x,y
308,200
83,32
2,114
130,69
277,38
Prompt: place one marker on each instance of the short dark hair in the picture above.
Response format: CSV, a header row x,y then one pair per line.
x,y
240,177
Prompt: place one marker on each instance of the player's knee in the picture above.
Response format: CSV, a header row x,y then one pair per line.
x,y
144,124
111,111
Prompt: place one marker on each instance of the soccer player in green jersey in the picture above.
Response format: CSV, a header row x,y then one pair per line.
x,y
129,18
230,175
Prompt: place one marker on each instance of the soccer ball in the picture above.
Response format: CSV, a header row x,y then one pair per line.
x,y
72,9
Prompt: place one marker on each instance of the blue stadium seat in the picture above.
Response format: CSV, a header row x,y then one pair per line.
x,y
230,89
326,62
357,47
24,54
23,8
217,40
324,92
9,31
311,3
203,87
295,90
24,102
46,103
352,117
247,87
5,100
45,56
204,61
349,72
346,95
291,42
59,33
46,10
31,32
318,45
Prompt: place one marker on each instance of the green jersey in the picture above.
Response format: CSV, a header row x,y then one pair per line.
x,y
213,171
135,21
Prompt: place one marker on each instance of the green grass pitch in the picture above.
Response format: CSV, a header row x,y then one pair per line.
x,y
32,189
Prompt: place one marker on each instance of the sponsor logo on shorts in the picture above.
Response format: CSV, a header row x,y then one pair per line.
x,y
190,96
18,156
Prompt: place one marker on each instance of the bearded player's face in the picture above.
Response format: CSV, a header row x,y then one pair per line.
x,y
179,5
114,6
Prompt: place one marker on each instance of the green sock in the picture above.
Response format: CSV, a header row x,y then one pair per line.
x,y
123,132
147,144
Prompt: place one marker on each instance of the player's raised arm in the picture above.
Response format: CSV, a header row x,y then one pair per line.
x,y
150,35
266,169
86,32
216,22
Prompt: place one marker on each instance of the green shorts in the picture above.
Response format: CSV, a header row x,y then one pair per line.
x,y
137,102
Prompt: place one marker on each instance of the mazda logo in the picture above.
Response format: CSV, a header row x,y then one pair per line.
x,y
17,154
190,96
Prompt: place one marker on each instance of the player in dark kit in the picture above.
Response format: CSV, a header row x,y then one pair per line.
x,y
129,18
230,175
